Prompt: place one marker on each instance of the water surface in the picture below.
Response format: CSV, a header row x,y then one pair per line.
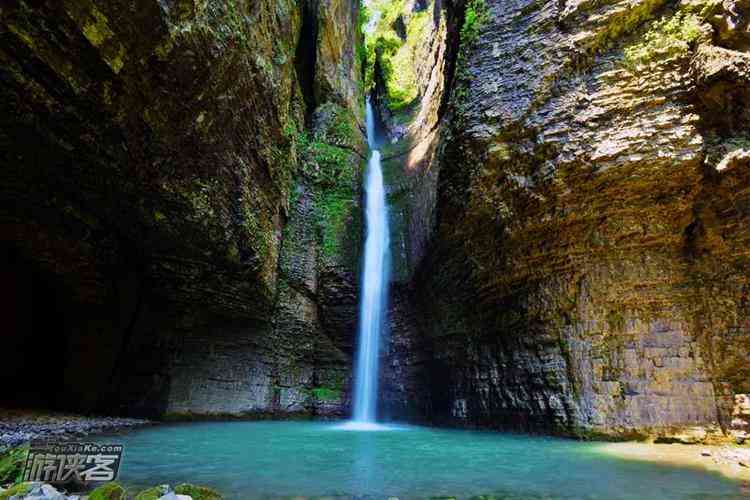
x,y
250,460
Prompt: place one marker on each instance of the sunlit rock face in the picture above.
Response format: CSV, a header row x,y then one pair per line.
x,y
153,165
588,271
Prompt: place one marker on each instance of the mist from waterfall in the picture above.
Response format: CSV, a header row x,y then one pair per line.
x,y
374,284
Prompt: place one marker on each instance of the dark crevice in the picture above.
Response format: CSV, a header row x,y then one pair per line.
x,y
306,56
378,99
454,15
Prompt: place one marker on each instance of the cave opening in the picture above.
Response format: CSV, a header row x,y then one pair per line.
x,y
34,335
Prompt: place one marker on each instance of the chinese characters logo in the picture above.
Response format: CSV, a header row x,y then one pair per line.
x,y
63,462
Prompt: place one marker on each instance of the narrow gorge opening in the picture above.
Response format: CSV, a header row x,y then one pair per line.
x,y
306,54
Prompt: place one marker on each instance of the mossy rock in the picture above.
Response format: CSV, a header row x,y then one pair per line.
x,y
11,464
152,493
19,489
197,492
395,50
326,394
109,491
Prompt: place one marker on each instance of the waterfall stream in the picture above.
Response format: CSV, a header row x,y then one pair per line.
x,y
374,284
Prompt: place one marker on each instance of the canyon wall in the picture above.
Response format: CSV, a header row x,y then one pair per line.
x,y
587,270
177,176
568,186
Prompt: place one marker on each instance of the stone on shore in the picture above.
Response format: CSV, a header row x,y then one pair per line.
x,y
45,492
21,426
109,491
197,492
184,491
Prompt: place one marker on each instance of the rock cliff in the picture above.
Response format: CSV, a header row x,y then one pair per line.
x,y
587,269
157,157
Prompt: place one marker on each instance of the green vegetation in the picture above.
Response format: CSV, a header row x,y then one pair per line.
x,y
341,128
327,160
109,491
476,15
11,464
19,489
396,56
326,394
333,213
324,164
666,37
151,494
197,492
361,46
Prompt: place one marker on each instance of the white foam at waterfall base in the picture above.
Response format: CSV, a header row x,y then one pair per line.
x,y
374,288
353,425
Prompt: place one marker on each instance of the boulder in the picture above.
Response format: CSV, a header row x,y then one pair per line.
x,y
109,491
197,492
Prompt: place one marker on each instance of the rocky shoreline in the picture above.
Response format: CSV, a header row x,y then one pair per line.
x,y
108,491
22,426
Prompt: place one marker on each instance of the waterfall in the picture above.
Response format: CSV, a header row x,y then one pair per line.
x,y
374,284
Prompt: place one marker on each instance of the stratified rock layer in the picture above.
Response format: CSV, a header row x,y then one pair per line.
x,y
588,273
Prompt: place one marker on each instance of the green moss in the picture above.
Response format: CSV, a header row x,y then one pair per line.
x,y
95,27
396,57
667,37
261,236
197,492
19,489
109,491
325,164
11,464
476,15
333,211
328,171
151,494
326,394
226,22
341,127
